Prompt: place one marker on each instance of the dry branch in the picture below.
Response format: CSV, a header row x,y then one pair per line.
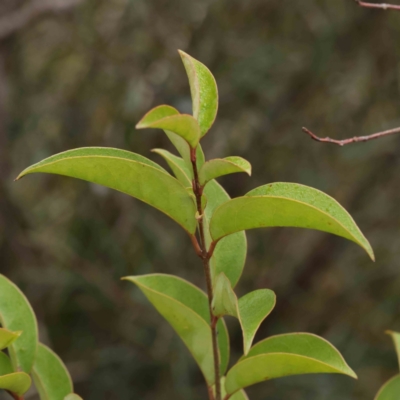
x,y
381,6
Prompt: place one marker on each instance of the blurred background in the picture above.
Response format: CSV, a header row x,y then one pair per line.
x,y
82,73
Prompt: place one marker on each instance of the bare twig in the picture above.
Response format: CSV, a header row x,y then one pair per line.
x,y
354,139
16,20
381,6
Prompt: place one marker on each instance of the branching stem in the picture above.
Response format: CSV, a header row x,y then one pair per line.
x,y
206,255
382,6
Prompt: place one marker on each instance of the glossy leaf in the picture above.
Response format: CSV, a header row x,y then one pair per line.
x,y
223,166
128,173
225,300
286,204
185,307
390,390
16,314
254,307
285,355
396,339
72,396
182,125
230,254
177,165
7,337
204,92
51,377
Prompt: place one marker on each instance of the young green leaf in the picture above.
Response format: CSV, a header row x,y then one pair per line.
x,y
390,390
396,339
72,396
185,307
286,204
225,300
204,92
230,254
285,355
7,337
51,377
16,314
128,173
254,307
17,382
223,166
177,165
5,364
156,114
182,125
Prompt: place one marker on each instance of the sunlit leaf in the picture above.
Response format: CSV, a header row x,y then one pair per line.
x,y
230,254
7,337
225,300
390,390
185,307
254,307
72,396
51,377
177,165
223,166
285,355
16,314
204,92
126,172
396,339
286,204
182,125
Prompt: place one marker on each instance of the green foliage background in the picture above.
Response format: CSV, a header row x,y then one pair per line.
x,y
86,76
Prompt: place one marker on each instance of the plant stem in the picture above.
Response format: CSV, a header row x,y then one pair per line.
x,y
15,396
382,6
205,256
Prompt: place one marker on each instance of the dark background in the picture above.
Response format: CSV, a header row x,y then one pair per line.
x,y
83,75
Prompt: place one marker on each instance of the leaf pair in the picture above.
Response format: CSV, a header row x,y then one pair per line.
x,y
27,356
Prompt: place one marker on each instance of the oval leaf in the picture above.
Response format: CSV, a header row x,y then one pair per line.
x,y
223,166
7,337
396,339
204,92
182,125
72,396
51,377
16,314
156,114
391,390
254,307
5,364
185,307
230,254
128,173
225,300
285,355
241,395
17,382
286,204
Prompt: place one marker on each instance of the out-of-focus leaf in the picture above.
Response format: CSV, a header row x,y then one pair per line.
x,y
223,166
230,254
128,173
390,390
185,307
285,355
177,165
254,307
16,314
5,364
204,92
7,337
396,339
51,377
182,125
286,204
72,396
225,300
17,382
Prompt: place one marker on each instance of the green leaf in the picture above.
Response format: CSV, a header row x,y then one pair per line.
x,y
177,165
5,364
16,314
204,92
156,114
72,396
396,339
225,300
182,125
285,355
241,395
7,337
128,173
254,307
50,375
17,382
185,307
223,166
230,254
391,390
286,204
